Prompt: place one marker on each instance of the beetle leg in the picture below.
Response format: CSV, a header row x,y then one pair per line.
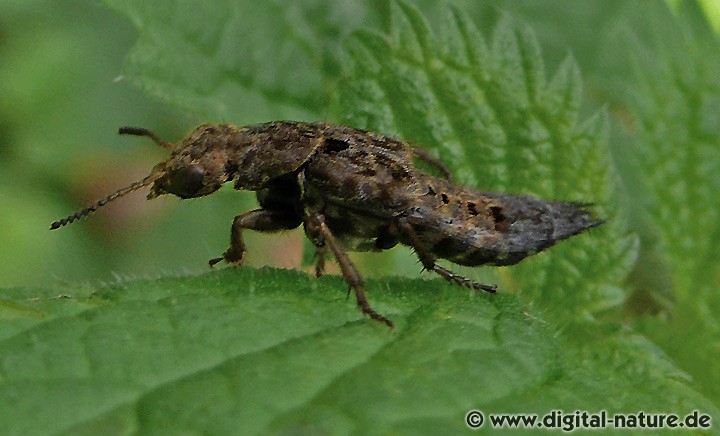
x,y
318,231
261,220
428,260
428,158
320,252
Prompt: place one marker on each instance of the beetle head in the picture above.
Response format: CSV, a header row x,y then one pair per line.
x,y
197,167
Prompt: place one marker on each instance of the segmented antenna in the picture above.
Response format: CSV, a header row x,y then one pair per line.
x,y
140,131
137,131
100,203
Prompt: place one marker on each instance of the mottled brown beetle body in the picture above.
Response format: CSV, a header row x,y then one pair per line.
x,y
355,190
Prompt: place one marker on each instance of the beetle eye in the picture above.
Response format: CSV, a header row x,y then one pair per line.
x,y
185,182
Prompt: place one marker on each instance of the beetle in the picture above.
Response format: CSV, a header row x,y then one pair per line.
x,y
354,190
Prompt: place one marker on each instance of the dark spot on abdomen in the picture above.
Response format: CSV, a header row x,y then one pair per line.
x,y
335,145
449,247
500,220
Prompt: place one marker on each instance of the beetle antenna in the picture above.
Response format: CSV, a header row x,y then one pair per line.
x,y
100,203
140,131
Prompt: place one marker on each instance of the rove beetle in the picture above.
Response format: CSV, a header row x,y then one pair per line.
x,y
354,190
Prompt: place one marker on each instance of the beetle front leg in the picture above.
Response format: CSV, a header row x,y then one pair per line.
x,y
320,233
261,220
428,260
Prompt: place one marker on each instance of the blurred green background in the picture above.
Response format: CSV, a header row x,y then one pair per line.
x,y
63,96
67,84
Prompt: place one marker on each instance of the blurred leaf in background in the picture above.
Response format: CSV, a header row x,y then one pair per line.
x,y
612,101
63,98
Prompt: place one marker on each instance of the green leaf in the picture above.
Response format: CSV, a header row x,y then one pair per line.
x,y
675,111
222,59
487,111
675,103
268,351
240,349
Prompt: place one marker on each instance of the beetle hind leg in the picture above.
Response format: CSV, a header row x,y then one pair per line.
x,y
428,260
462,281
320,234
431,160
